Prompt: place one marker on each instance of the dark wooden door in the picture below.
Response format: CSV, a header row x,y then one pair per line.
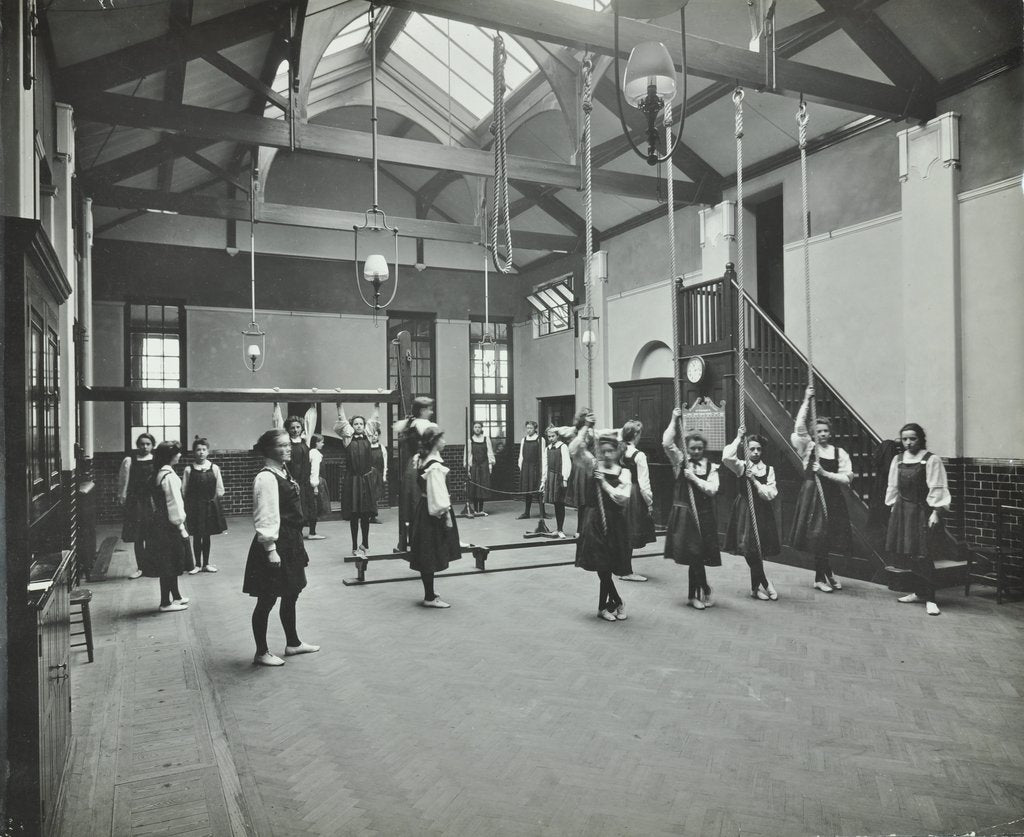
x,y
650,401
558,411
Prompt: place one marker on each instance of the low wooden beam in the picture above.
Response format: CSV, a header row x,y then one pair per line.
x,y
206,123
242,396
583,29
206,206
152,56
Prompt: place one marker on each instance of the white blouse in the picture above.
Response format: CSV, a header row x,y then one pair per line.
x,y
566,462
522,442
266,505
768,490
643,473
438,499
804,445
315,459
705,468
206,466
934,473
170,484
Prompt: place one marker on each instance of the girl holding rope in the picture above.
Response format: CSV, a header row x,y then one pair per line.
x,y
409,431
603,545
641,499
821,524
558,469
359,485
479,461
740,537
692,534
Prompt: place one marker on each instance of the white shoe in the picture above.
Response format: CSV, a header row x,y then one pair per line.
x,y
607,615
632,577
932,609
620,613
759,593
911,598
435,602
824,587
209,568
356,553
267,659
480,514
834,582
183,600
774,596
697,604
136,574
173,606
302,648
709,598
195,570
561,535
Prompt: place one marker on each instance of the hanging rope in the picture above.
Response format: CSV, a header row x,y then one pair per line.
x,y
673,276
501,198
741,323
588,200
801,121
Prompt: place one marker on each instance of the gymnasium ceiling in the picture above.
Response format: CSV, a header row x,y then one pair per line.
x,y
172,97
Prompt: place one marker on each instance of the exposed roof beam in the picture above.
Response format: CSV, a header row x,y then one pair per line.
x,y
987,69
205,206
206,123
545,200
233,71
179,21
566,24
144,159
217,171
141,59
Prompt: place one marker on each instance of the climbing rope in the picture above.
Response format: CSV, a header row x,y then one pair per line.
x,y
673,276
801,121
588,200
741,323
501,194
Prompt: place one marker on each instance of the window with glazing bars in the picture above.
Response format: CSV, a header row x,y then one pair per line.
x,y
154,341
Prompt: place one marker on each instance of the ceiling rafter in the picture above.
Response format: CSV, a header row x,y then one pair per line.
x,y
179,21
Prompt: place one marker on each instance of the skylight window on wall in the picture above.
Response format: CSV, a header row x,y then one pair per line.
x,y
424,43
355,33
552,305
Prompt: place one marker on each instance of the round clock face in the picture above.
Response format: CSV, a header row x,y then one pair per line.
x,y
694,369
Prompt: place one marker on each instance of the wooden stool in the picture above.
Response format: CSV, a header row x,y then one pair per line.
x,y
82,597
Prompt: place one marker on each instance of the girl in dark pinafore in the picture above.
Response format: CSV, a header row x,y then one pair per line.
x,y
360,484
409,431
166,555
434,535
689,539
641,498
479,461
203,487
821,527
603,545
557,470
530,449
919,494
133,494
276,564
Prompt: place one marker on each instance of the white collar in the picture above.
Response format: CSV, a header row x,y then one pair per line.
x,y
203,466
433,456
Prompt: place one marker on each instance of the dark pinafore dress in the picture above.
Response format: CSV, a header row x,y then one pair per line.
x,y
641,524
359,490
739,537
433,541
299,468
529,473
909,542
261,577
479,471
687,541
554,491
377,461
813,531
203,512
166,553
409,444
138,502
603,544
576,493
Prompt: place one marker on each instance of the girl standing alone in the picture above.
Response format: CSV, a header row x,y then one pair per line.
x,y
480,458
530,448
692,535
919,494
203,488
359,485
166,555
133,494
558,468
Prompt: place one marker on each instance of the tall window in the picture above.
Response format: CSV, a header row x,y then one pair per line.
x,y
155,336
490,379
421,330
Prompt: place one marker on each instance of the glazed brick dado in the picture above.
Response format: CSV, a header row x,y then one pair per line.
x,y
977,486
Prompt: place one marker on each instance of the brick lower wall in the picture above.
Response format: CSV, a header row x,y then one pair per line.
x,y
239,467
977,485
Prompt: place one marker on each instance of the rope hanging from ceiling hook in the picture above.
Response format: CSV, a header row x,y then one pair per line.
x,y
588,200
501,195
801,122
741,320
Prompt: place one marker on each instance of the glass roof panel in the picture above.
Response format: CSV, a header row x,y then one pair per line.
x,y
351,35
594,5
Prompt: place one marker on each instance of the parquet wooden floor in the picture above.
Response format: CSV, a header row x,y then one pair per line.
x,y
518,712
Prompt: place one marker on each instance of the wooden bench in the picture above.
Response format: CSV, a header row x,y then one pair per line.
x,y
1000,566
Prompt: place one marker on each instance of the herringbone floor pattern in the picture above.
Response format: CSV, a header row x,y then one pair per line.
x,y
517,712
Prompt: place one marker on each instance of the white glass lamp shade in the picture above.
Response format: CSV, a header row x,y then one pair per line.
x,y
375,268
253,352
649,64
588,338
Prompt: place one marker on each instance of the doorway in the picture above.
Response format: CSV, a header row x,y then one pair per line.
x,y
558,410
770,282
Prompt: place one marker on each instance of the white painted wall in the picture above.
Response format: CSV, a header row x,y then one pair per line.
x,y
992,319
543,367
108,371
636,317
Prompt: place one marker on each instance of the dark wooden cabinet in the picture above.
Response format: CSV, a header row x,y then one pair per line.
x,y
38,707
650,401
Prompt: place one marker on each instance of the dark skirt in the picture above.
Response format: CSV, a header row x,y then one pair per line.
x,y
263,579
907,533
166,554
359,495
740,538
480,482
576,491
432,543
812,531
554,491
641,524
686,544
529,478
600,551
138,515
205,517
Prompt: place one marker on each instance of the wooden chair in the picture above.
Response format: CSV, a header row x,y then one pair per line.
x,y
1000,566
81,598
